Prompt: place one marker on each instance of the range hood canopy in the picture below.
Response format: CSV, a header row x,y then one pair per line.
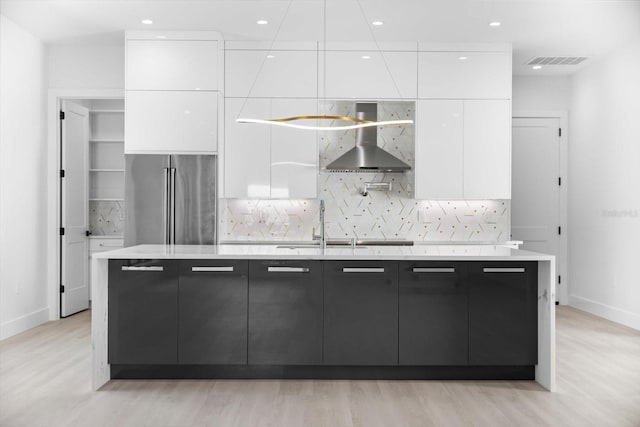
x,y
366,156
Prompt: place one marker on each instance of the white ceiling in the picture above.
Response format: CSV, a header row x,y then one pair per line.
x,y
535,27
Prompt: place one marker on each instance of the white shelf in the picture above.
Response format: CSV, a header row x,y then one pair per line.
x,y
106,170
107,111
107,140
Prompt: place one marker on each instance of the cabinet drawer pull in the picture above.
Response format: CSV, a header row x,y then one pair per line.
x,y
434,270
504,270
288,269
213,269
152,268
363,270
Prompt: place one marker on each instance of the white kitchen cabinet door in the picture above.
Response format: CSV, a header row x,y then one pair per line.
x,y
487,149
364,75
458,75
171,122
172,65
294,152
275,74
439,150
247,150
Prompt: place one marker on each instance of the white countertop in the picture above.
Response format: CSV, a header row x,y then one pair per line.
x,y
417,252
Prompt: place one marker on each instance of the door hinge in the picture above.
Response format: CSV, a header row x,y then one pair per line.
x,y
559,131
61,115
61,288
559,180
61,173
559,230
559,279
62,231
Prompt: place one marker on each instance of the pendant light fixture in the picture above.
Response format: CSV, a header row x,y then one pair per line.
x,y
350,122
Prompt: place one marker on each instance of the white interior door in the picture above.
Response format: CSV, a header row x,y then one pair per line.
x,y
535,204
74,265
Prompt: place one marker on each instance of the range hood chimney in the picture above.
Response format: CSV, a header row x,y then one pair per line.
x,y
366,156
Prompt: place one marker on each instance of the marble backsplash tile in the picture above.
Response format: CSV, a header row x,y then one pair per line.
x,y
106,217
367,218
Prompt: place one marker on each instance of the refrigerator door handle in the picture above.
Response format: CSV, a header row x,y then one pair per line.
x,y
165,206
172,206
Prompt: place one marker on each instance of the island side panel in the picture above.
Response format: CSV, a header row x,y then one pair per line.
x,y
546,367
99,322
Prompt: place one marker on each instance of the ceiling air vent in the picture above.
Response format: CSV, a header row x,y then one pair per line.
x,y
557,60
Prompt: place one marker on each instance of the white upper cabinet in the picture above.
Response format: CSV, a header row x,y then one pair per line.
x,y
463,149
266,162
171,122
460,75
247,150
369,75
172,65
172,82
271,74
294,152
487,149
439,171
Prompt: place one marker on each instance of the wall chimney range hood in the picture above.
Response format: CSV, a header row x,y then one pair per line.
x,y
366,156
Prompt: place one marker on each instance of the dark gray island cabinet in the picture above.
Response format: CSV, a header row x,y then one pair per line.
x,y
233,318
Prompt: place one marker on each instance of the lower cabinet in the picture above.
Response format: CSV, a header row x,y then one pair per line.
x,y
503,315
434,314
361,313
212,312
143,312
336,313
285,312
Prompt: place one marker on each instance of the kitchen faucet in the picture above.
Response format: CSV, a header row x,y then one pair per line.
x,y
322,236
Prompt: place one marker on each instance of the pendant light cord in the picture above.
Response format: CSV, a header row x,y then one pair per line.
x,y
375,40
275,37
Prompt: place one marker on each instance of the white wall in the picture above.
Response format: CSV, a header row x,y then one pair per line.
x,y
534,93
85,66
23,213
604,194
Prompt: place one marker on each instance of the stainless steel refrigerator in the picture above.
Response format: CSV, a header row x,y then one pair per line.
x,y
170,199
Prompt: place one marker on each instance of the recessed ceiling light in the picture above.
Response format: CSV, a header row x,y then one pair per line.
x,y
495,24
271,56
161,37
147,21
462,58
262,22
537,67
377,23
366,57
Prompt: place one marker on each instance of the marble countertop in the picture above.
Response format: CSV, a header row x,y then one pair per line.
x,y
417,252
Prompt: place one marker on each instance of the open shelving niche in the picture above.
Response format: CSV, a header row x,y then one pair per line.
x,y
106,167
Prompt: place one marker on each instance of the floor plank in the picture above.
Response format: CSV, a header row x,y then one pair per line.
x,y
45,381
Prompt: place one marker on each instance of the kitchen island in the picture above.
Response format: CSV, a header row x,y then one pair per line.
x,y
266,311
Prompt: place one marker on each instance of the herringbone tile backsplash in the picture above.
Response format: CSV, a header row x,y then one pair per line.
x,y
391,214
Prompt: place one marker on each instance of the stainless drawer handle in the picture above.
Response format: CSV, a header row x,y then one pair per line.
x,y
288,269
113,245
363,270
212,269
434,270
504,270
153,268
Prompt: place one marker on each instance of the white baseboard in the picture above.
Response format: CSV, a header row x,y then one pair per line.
x,y
614,314
22,323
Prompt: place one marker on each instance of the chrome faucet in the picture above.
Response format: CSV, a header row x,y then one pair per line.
x,y
322,236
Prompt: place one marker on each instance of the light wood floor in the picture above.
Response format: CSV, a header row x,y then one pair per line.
x,y
45,381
